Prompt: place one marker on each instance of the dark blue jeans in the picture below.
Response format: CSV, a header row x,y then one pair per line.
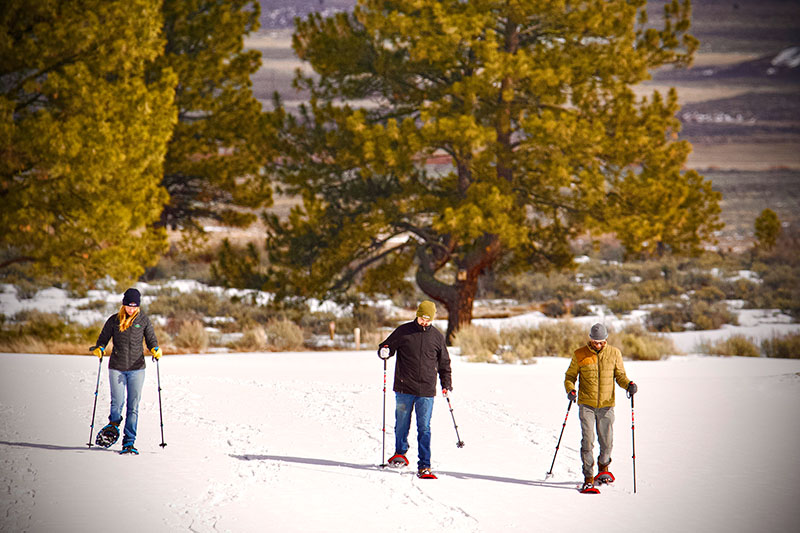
x,y
130,381
423,405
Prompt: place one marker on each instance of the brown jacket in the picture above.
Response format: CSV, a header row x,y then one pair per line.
x,y
597,372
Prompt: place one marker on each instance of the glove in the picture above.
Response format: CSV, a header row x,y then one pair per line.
x,y
383,353
156,353
97,351
571,395
632,389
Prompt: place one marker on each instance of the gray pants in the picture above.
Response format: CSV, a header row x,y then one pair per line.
x,y
603,420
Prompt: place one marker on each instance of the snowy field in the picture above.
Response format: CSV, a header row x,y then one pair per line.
x,y
291,442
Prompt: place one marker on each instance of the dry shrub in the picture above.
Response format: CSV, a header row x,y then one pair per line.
x,y
786,347
371,339
734,345
636,343
192,335
668,318
28,344
479,343
554,308
47,327
554,339
284,335
164,338
175,323
704,315
558,339
711,316
252,340
626,300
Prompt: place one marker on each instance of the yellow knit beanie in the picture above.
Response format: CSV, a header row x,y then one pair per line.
x,y
427,309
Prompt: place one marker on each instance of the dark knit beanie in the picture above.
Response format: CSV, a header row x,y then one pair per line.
x,y
132,298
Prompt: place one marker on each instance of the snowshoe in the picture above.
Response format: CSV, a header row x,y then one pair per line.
x,y
425,473
589,488
107,436
603,478
129,449
398,460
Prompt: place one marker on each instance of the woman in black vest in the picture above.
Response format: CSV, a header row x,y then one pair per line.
x,y
128,328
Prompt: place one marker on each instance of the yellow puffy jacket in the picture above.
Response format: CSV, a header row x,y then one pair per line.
x,y
597,371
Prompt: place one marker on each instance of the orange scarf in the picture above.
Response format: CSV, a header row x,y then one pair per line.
x,y
126,320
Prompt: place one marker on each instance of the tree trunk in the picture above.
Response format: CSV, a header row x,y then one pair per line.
x,y
459,310
459,297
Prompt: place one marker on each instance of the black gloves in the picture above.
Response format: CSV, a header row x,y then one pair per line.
x,y
632,388
571,395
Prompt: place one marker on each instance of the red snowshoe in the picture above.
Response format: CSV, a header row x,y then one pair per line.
x,y
589,488
398,460
603,478
426,473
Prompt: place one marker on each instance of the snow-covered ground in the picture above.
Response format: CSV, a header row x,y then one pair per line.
x,y
291,442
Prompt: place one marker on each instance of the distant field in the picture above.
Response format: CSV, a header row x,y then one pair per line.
x,y
745,156
740,26
745,194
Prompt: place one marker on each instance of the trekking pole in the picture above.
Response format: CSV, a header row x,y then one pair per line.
x,y
459,443
550,473
383,444
160,416
94,408
633,444
384,354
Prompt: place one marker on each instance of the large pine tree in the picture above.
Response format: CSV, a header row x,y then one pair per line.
x,y
83,132
530,105
213,166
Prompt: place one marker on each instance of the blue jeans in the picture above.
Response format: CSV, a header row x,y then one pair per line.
x,y
423,405
132,382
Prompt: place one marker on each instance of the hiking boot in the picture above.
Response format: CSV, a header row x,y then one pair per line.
x,y
603,467
129,449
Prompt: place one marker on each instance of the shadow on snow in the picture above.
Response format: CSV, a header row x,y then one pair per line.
x,y
53,447
569,485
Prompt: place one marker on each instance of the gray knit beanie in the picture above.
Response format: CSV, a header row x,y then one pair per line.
x,y
598,332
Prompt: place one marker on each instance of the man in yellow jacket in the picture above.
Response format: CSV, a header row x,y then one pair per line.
x,y
598,365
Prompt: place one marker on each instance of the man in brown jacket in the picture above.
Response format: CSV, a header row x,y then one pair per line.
x,y
598,365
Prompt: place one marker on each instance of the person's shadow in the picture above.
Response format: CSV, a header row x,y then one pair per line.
x,y
569,485
54,447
